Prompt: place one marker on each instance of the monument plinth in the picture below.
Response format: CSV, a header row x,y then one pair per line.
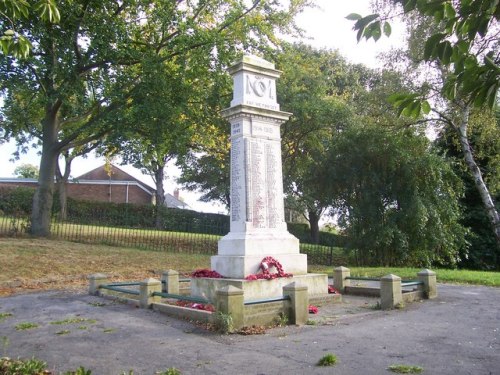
x,y
258,226
257,218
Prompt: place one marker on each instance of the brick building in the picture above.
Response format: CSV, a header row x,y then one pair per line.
x,y
117,186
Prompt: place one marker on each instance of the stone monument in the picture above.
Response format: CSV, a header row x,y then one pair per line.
x,y
257,225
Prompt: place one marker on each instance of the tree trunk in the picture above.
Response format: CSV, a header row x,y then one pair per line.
x,y
62,185
160,195
42,201
313,218
477,176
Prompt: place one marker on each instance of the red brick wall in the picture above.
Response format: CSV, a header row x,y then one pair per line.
x,y
109,193
98,193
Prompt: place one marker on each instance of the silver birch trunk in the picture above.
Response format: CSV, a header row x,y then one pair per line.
x,y
476,174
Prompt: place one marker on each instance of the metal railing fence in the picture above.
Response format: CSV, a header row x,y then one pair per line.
x,y
187,240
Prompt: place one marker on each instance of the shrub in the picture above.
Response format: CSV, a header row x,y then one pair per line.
x,y
16,200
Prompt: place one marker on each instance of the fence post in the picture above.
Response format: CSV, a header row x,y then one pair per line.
x,y
299,299
146,289
95,281
170,282
391,293
230,300
340,280
428,277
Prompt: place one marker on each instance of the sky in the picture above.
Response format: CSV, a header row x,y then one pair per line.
x,y
325,27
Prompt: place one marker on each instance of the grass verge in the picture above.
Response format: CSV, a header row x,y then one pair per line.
x,y
51,264
489,278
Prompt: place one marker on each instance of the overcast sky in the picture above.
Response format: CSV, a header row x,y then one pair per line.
x,y
325,26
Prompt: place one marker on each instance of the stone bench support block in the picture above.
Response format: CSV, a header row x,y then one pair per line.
x,y
95,281
340,280
428,277
230,300
391,293
146,289
299,301
171,279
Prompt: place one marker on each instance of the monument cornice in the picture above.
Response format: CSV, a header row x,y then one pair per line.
x,y
247,110
250,67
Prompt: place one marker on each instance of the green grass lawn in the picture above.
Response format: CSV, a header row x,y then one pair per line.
x,y
443,275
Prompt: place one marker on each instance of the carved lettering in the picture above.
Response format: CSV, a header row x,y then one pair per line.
x,y
237,175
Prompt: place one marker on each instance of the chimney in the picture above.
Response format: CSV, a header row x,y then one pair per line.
x,y
176,193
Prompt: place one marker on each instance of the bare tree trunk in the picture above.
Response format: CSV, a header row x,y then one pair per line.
x,y
62,185
42,201
313,218
160,195
476,174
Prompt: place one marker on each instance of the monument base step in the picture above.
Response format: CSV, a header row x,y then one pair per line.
x,y
239,267
317,284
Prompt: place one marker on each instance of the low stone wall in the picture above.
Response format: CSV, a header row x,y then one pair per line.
x,y
392,291
184,312
265,314
362,291
293,303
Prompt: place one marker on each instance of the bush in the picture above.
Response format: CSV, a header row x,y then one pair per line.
x,y
302,232
143,216
16,200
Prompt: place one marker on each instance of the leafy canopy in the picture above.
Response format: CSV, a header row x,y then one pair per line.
x,y
475,72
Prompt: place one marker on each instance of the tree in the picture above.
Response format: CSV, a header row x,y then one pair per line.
x,y
396,199
483,253
83,72
463,44
12,42
322,91
26,171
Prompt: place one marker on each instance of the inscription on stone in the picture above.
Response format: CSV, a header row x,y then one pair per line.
x,y
272,160
248,180
236,129
237,175
258,190
263,131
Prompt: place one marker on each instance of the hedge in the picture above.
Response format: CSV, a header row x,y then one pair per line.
x,y
18,201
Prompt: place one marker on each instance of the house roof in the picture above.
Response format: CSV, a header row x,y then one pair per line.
x,y
115,174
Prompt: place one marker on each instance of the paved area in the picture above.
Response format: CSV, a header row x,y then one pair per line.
x,y
457,333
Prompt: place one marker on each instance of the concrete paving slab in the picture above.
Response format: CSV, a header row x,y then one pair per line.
x,y
457,333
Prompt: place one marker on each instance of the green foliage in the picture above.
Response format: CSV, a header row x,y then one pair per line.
x,y
282,320
16,201
484,137
170,371
26,171
73,321
25,326
143,216
98,75
5,315
79,371
397,200
475,75
328,360
224,323
31,366
405,369
13,43
312,87
302,232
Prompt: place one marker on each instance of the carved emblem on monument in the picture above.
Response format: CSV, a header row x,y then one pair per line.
x,y
259,86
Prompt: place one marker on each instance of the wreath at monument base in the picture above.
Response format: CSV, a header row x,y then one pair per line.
x,y
265,265
207,273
